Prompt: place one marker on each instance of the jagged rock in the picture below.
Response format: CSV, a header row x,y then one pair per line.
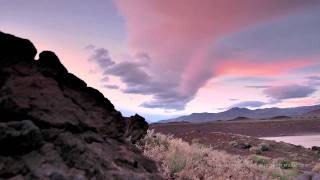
x,y
52,126
50,62
10,167
315,148
136,128
19,137
10,45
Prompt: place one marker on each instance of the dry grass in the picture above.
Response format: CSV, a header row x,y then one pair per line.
x,y
181,160
316,168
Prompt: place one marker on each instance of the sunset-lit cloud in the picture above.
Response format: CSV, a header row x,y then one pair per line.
x,y
189,41
164,58
289,91
264,69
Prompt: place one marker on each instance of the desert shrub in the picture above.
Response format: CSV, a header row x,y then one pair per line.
x,y
233,143
264,147
285,164
195,141
260,160
289,174
279,176
239,145
176,162
180,160
316,168
255,150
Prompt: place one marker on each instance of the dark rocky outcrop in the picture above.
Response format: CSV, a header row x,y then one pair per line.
x,y
316,149
52,126
10,45
136,128
19,137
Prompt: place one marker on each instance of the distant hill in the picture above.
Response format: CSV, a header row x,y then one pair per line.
x,y
313,113
244,112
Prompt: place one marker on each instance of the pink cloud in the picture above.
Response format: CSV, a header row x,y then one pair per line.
x,y
179,35
301,102
248,68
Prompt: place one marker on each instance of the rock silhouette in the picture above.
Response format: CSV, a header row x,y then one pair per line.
x,y
53,126
136,128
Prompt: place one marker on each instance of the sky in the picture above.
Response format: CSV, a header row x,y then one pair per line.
x,y
163,59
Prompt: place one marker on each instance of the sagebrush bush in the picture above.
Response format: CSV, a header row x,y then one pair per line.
x,y
264,147
285,164
182,160
260,160
176,162
316,168
255,150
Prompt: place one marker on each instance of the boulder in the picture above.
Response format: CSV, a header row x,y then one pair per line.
x,y
136,128
315,148
50,62
15,49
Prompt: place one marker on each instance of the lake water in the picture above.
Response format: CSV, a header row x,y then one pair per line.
x,y
303,140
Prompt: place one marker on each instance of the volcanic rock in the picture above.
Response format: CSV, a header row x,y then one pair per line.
x,y
53,126
136,128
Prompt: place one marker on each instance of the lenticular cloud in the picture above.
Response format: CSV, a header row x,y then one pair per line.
x,y
179,38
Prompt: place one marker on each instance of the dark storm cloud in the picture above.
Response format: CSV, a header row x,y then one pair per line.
x,y
289,91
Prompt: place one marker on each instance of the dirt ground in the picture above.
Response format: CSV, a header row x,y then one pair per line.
x,y
255,128
224,134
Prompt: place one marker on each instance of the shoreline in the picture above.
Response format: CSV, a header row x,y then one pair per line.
x,y
306,141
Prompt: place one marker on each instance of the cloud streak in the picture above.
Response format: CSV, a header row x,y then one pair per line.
x,y
258,87
111,86
289,91
100,56
248,104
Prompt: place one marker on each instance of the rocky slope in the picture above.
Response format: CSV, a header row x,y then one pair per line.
x,y
52,126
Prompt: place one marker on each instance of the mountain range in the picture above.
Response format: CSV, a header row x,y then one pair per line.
x,y
244,113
